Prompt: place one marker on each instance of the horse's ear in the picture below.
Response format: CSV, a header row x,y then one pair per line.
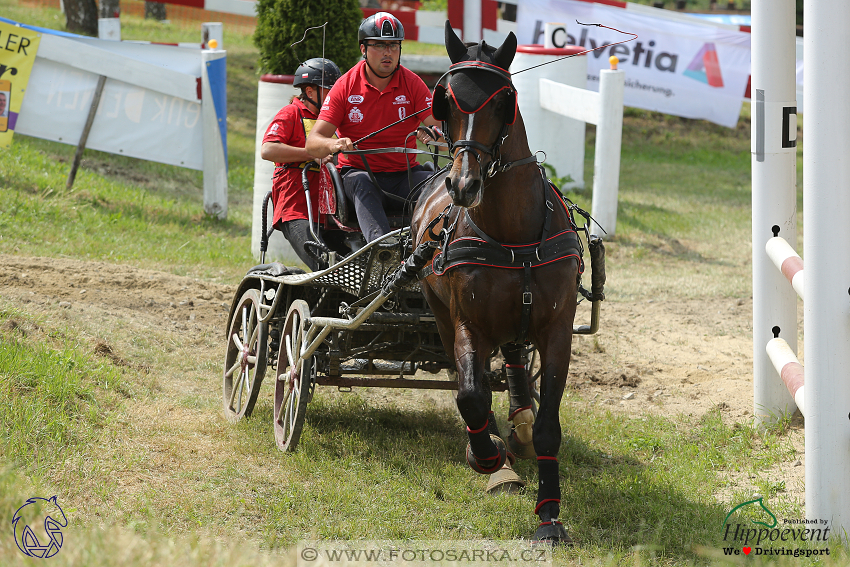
x,y
504,56
454,46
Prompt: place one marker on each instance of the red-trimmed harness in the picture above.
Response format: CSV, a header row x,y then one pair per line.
x,y
486,252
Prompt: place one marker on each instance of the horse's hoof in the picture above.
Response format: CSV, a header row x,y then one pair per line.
x,y
484,466
551,533
520,449
505,480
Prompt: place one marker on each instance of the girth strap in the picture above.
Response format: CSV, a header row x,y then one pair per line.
x,y
525,318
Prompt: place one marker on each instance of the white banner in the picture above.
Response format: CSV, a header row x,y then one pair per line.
x,y
130,120
150,107
686,69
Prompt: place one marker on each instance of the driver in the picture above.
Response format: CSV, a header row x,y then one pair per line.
x,y
283,144
375,93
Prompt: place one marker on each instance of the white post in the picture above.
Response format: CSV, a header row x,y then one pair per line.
x,y
472,20
271,97
109,29
212,31
560,137
774,194
826,210
214,113
609,140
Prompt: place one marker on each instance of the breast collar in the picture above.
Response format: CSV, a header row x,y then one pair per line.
x,y
483,250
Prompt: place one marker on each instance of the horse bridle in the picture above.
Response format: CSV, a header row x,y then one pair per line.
x,y
495,166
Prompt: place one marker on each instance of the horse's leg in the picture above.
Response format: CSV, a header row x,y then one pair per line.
x,y
519,413
554,348
519,445
486,453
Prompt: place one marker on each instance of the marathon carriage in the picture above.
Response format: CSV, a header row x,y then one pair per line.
x,y
335,327
405,305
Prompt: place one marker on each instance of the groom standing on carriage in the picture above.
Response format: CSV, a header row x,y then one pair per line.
x,y
375,93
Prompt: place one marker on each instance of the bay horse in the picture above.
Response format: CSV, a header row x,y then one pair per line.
x,y
506,264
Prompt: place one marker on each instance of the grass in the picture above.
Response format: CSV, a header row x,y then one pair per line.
x,y
153,475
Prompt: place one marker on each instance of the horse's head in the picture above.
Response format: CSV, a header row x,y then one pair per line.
x,y
476,101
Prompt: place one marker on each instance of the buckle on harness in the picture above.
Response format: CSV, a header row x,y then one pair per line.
x,y
526,298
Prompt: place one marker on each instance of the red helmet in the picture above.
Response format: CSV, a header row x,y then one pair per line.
x,y
382,26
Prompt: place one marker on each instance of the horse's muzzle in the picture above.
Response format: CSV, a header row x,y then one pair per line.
x,y
464,191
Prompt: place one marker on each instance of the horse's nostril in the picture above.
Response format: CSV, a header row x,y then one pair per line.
x,y
449,184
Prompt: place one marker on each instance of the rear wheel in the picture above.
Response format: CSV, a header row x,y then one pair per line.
x,y
296,378
246,357
533,370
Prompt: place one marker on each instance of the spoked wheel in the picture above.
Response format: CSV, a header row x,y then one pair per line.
x,y
533,370
245,361
295,378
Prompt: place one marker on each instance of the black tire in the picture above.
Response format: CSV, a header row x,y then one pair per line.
x,y
245,358
295,378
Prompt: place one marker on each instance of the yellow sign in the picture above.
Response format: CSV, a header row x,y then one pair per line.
x,y
18,47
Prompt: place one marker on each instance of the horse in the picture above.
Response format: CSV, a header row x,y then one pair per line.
x,y
506,266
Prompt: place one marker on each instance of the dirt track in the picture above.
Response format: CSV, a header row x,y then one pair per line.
x,y
672,357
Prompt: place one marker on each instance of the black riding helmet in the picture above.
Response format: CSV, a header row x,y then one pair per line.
x,y
318,72
381,26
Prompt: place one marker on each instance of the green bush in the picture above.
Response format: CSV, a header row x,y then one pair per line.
x,y
281,23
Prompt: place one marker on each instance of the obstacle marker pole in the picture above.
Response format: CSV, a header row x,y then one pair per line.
x,y
774,194
826,209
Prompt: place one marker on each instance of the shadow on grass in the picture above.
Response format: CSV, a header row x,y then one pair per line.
x,y
609,501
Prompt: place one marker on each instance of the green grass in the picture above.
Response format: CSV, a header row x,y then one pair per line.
x,y
54,396
637,490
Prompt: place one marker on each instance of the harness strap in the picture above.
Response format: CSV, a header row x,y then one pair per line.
x,y
525,318
483,235
470,251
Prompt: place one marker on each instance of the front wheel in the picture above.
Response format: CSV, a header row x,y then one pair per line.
x,y
295,378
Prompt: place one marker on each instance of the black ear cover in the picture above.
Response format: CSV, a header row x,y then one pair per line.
x,y
510,110
440,103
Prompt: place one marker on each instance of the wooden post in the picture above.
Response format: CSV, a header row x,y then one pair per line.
x,y
95,101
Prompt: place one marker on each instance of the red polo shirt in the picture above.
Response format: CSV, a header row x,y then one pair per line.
x,y
357,109
288,127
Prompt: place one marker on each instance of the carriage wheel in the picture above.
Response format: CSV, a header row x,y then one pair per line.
x,y
533,370
295,378
245,361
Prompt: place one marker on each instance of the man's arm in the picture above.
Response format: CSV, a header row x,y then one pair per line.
x,y
321,143
279,152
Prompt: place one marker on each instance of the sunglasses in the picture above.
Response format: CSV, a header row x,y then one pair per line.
x,y
385,46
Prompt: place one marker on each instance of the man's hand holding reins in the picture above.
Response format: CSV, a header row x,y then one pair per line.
x,y
321,143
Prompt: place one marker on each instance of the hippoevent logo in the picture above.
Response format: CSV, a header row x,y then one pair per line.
x,y
37,526
705,67
772,538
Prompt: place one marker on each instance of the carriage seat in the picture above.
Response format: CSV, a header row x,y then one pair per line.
x,y
345,214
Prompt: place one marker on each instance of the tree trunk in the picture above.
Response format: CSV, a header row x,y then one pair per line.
x,y
155,11
81,16
110,8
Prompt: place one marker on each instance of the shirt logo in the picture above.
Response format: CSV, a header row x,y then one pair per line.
x,y
355,115
273,129
355,99
401,99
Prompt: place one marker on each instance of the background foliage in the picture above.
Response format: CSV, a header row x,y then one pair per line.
x,y
280,23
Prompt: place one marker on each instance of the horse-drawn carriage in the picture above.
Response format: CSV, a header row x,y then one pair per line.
x,y
378,315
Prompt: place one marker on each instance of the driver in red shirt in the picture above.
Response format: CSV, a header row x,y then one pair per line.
x,y
375,93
